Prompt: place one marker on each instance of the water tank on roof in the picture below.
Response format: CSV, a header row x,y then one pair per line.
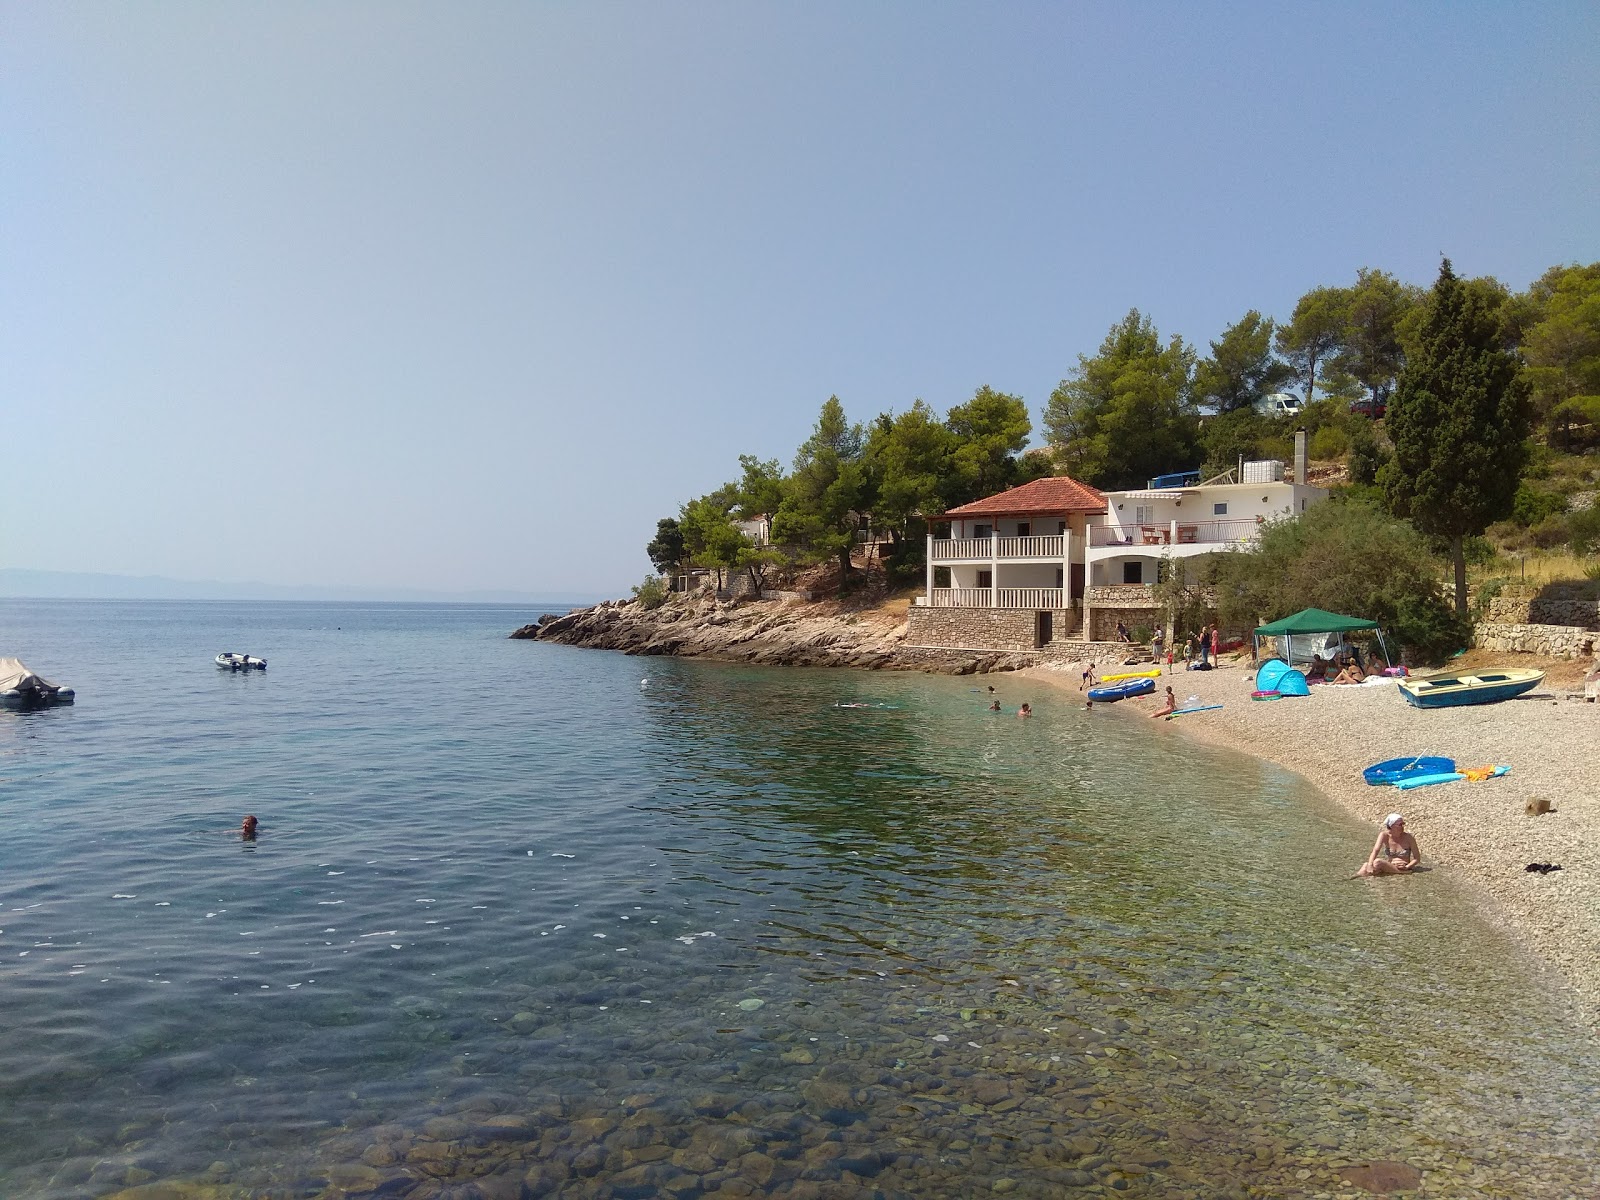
x,y
1268,470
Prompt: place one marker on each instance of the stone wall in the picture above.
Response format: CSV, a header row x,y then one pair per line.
x,y
975,628
1122,595
1541,610
1552,641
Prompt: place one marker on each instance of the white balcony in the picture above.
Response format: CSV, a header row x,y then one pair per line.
x,y
1034,599
1174,533
1047,547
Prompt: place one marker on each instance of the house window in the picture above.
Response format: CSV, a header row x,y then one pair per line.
x,y
985,579
1133,571
1061,577
1144,514
982,531
1023,528
941,577
1220,509
1061,526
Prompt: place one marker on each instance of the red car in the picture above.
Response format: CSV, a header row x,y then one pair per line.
x,y
1368,408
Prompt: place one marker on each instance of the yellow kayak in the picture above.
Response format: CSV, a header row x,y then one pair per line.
x,y
1153,673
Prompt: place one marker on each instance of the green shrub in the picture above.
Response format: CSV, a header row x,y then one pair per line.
x,y
1583,530
1328,442
1533,506
1483,593
1366,455
1347,556
1141,634
652,593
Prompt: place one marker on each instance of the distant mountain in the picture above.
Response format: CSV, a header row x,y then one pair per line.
x,y
76,585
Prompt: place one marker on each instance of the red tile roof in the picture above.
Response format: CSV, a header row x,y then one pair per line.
x,y
1057,494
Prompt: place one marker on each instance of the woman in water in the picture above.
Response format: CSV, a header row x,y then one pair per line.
x,y
1395,852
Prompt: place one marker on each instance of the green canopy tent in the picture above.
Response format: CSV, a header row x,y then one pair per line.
x,y
1310,621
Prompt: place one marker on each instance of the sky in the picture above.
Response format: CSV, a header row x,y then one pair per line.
x,y
468,296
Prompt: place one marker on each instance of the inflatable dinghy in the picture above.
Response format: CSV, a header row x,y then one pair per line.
x,y
1392,771
1121,691
229,661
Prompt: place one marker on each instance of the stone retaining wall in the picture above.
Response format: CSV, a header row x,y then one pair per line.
x,y
1580,614
982,628
1552,641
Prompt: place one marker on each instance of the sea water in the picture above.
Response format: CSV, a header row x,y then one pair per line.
x,y
524,919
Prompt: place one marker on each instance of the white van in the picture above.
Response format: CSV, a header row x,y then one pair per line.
x,y
1279,404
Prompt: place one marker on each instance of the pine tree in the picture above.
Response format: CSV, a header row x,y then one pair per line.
x,y
1459,422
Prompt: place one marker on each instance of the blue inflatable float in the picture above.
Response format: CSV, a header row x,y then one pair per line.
x,y
1113,692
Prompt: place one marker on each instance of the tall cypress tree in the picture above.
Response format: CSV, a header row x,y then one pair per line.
x,y
1459,422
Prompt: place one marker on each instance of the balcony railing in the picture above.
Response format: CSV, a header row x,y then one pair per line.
x,y
1036,599
1048,545
1175,533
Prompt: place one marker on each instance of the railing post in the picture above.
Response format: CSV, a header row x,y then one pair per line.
x,y
994,567
929,596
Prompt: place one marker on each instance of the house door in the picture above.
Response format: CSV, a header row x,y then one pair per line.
x,y
1046,632
1077,581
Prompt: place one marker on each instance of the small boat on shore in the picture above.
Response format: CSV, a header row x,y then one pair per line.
x,y
1121,691
21,688
1486,686
229,661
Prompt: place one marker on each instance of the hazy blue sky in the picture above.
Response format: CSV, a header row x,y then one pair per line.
x,y
468,295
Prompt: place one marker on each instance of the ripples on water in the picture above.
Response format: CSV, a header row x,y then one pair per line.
x,y
516,925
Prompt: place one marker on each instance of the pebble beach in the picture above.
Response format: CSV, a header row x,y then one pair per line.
x,y
1480,833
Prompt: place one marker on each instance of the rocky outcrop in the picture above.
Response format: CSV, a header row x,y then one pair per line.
x,y
769,632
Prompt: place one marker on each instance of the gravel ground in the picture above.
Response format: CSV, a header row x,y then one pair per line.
x,y
1479,832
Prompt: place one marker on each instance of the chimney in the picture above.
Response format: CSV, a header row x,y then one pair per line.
x,y
1300,455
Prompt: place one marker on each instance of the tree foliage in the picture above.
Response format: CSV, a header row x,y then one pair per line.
x,y
1124,414
1458,420
988,432
1375,312
826,491
666,548
1242,368
1562,344
1314,334
1346,556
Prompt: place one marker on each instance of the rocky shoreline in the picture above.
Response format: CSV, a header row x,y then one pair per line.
x,y
780,633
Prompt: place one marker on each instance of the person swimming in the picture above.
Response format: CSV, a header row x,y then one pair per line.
x,y
247,830
1025,711
995,707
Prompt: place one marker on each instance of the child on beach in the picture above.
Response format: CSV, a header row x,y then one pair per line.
x,y
1088,677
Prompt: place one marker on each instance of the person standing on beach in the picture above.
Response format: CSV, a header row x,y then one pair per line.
x,y
1088,677
1156,640
1205,645
1216,644
1395,852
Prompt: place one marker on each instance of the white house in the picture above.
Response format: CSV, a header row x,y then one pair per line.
x,y
1071,562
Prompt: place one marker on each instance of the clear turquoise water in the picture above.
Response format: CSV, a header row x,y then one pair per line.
x,y
512,911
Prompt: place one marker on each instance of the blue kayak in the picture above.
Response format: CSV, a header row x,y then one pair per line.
x,y
1113,692
1386,774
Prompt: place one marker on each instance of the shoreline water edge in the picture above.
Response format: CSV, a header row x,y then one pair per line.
x,y
1479,832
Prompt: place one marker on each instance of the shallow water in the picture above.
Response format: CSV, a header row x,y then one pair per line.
x,y
521,923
